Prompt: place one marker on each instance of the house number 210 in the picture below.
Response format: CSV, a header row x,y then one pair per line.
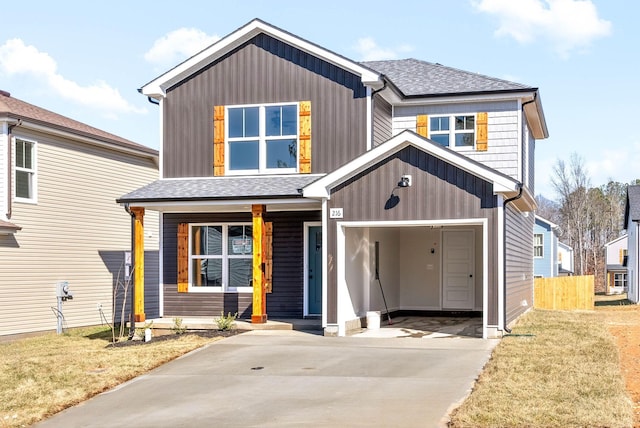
x,y
335,213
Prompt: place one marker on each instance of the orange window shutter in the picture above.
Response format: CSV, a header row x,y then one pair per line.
x,y
422,125
218,141
183,257
621,256
482,132
304,155
268,259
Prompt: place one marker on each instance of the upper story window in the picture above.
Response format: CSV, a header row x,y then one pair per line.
x,y
453,131
25,170
537,245
262,139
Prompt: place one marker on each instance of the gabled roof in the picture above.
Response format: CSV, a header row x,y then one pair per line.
x,y
632,207
157,87
35,117
322,187
414,77
551,225
220,188
625,236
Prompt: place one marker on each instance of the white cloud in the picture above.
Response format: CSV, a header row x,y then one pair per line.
x,y
16,58
567,24
370,51
620,164
178,45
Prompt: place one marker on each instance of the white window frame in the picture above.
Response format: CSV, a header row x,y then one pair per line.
x,y
262,141
225,257
33,171
620,277
535,244
452,132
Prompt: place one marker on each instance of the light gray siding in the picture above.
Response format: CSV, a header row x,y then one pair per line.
x,y
519,262
503,152
382,120
76,232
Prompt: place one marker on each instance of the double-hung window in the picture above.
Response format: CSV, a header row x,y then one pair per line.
x,y
221,257
537,245
25,170
453,131
620,280
262,139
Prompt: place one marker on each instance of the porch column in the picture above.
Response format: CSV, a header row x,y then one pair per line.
x,y
138,264
259,313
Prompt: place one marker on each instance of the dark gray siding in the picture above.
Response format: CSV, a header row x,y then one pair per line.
x,y
286,300
439,191
264,70
382,120
519,262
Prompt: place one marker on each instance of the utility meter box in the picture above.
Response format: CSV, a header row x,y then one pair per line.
x,y
62,290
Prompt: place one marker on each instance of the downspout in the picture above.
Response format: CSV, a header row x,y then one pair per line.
x,y
9,169
504,256
132,318
373,94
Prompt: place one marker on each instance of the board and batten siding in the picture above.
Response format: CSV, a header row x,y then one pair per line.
x,y
77,233
519,262
503,152
439,191
264,70
286,298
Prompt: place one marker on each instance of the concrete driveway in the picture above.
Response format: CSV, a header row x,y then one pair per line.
x,y
294,379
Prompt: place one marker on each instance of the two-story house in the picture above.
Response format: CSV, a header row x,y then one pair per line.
x,y
550,256
58,221
632,224
615,276
293,179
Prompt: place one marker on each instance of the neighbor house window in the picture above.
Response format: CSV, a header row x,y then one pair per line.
x,y
221,257
453,131
537,245
262,139
620,280
25,170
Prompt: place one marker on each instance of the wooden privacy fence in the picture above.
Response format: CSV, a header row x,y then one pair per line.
x,y
564,292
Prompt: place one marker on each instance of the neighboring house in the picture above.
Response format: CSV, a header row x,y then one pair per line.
x,y
550,256
291,177
565,259
632,224
59,179
615,253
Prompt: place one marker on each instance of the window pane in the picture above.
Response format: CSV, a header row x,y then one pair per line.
x,y
28,158
240,240
439,124
251,122
243,155
282,153
207,272
465,139
464,122
19,154
206,240
240,272
236,122
290,120
23,184
442,139
273,121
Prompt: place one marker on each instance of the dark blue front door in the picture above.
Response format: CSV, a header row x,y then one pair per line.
x,y
314,295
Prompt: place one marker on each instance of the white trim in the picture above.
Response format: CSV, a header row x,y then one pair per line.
x,y
369,124
161,142
321,187
452,132
520,145
305,292
485,278
157,87
33,171
325,258
501,261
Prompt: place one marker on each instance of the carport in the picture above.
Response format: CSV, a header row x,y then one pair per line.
x,y
424,268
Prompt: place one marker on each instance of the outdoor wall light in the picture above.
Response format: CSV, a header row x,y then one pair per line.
x,y
405,181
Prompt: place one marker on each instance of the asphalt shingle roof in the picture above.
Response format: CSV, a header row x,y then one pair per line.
x,y
18,109
632,210
420,78
282,186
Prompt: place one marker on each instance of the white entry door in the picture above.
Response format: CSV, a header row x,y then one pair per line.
x,y
458,268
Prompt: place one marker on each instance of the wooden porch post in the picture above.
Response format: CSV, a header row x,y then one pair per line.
x,y
259,313
138,264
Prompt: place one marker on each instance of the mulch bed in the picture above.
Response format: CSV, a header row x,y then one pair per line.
x,y
174,336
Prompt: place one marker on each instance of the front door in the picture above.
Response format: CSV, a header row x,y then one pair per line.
x,y
314,254
458,267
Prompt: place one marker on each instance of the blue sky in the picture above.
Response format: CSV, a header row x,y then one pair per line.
x,y
86,59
